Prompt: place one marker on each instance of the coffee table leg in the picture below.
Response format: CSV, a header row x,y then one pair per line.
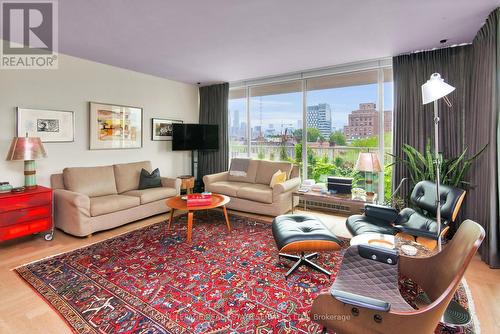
x,y
171,218
227,219
190,226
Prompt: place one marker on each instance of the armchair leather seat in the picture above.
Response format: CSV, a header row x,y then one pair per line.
x,y
360,224
386,220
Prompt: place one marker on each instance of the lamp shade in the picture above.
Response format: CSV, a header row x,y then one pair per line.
x,y
435,88
26,148
368,162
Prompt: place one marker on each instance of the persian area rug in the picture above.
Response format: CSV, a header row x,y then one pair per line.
x,y
151,281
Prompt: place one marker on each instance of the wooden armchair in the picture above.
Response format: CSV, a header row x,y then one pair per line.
x,y
365,297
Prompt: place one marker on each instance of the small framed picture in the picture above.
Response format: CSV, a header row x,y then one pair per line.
x,y
115,127
161,129
49,125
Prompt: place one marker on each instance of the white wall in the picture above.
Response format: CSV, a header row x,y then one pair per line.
x,y
71,87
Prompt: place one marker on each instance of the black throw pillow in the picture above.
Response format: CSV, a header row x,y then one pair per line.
x,y
148,180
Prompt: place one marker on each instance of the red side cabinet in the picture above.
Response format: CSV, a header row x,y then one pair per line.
x,y
25,213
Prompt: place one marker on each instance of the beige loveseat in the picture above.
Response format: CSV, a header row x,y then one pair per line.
x,y
91,199
252,193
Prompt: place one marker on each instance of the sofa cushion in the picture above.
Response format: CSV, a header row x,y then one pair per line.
x,y
91,181
256,192
253,165
128,175
149,180
227,188
267,169
278,178
111,203
152,194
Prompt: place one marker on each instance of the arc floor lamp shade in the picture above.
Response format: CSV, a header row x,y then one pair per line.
x,y
435,88
28,149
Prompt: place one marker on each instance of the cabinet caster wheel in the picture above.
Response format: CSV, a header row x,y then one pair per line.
x,y
48,236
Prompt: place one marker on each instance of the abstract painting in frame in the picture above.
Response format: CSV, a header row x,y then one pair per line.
x,y
161,129
49,125
115,127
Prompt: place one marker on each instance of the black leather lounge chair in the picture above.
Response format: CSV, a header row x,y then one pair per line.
x,y
386,220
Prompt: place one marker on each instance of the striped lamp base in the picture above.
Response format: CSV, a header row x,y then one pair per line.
x,y
30,174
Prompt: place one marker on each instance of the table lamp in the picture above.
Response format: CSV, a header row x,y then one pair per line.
x,y
434,89
368,163
28,149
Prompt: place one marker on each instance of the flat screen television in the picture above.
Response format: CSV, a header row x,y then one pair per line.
x,y
188,137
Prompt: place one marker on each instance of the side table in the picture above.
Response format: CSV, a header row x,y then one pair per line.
x,y
25,213
187,183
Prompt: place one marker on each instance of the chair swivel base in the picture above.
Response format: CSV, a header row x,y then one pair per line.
x,y
303,259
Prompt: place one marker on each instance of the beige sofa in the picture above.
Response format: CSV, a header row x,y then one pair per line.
x,y
91,199
252,193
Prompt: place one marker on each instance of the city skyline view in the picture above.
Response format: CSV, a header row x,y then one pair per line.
x,y
282,111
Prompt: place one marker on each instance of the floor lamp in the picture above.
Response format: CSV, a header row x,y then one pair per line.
x,y
434,89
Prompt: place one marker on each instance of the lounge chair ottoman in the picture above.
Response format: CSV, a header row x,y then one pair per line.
x,y
301,234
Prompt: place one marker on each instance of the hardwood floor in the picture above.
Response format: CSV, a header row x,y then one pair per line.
x,y
23,311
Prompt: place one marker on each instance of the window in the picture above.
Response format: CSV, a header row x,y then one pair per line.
x,y
344,114
238,118
351,99
275,120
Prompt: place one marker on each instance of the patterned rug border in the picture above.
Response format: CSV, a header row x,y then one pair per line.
x,y
472,306
33,283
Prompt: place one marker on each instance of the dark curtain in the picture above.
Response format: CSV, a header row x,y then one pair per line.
x,y
482,128
214,110
413,121
472,122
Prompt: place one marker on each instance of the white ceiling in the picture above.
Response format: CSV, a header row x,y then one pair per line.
x,y
229,40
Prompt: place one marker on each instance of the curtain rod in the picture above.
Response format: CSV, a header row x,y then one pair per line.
x,y
433,49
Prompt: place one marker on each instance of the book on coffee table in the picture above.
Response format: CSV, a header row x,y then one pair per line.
x,y
199,200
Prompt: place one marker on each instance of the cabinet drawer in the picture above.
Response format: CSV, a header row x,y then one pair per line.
x,y
26,228
23,215
25,201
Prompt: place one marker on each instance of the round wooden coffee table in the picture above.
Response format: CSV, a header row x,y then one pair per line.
x,y
177,203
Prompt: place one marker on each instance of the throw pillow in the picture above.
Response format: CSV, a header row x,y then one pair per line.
x,y
149,180
278,177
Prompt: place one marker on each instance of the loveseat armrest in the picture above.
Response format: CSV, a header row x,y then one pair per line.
x,y
208,179
382,212
288,185
169,182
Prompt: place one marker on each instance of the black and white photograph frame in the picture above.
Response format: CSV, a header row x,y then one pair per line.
x,y
52,126
161,129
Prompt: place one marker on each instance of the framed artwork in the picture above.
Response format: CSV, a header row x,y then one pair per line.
x,y
161,129
115,127
50,125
